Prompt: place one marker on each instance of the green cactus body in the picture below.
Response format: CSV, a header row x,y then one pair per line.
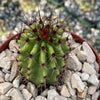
x,y
42,50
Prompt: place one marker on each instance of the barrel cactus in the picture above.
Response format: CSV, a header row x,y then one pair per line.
x,y
42,52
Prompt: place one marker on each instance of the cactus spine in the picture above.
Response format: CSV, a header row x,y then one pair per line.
x,y
42,50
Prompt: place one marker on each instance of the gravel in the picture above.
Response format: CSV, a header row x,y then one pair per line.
x,y
77,84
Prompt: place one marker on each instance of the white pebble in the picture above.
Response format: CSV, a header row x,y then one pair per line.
x,y
27,95
64,91
84,76
4,87
51,94
89,69
77,82
93,79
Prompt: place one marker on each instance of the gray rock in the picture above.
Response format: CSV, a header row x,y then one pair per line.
x,y
67,76
64,91
2,77
32,99
96,95
73,63
84,76
16,82
71,90
4,87
77,82
15,94
2,80
82,56
51,94
96,66
93,79
7,77
3,97
74,46
89,69
13,46
40,98
44,93
2,54
13,70
22,86
8,53
60,98
76,50
5,63
26,94
32,89
90,55
92,90
83,94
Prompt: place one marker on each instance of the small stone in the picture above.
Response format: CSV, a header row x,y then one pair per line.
x,y
32,89
69,99
1,74
8,53
96,66
44,93
71,90
93,79
90,55
64,91
89,69
13,70
7,77
5,71
15,94
65,34
84,76
16,82
76,50
82,56
5,63
22,86
96,95
74,97
60,98
73,63
32,99
3,97
88,99
78,73
27,95
67,76
2,54
2,77
52,87
13,46
77,82
40,98
51,94
92,90
75,45
83,94
4,87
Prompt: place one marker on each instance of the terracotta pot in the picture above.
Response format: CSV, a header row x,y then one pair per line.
x,y
76,37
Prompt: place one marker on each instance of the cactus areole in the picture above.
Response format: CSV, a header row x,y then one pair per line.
x,y
42,52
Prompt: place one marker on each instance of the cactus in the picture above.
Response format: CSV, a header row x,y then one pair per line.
x,y
42,52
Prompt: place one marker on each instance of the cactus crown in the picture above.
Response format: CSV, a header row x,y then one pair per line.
x,y
42,51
